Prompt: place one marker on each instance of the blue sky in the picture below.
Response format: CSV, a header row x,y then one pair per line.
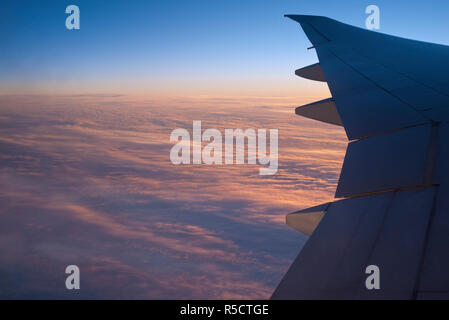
x,y
170,47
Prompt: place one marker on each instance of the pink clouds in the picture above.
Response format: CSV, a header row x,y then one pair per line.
x,y
89,179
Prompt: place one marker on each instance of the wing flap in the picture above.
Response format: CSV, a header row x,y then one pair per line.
x,y
312,72
306,221
324,110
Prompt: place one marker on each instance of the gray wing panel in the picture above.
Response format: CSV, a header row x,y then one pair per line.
x,y
387,230
364,108
442,162
379,82
435,271
423,62
400,246
308,276
434,280
413,93
388,161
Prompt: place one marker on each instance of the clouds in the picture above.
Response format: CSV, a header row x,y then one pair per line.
x,y
87,180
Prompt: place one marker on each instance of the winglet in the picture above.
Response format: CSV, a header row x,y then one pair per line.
x,y
309,25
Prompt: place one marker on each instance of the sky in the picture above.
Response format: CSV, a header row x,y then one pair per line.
x,y
182,48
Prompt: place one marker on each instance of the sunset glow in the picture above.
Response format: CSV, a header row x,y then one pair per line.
x,y
88,179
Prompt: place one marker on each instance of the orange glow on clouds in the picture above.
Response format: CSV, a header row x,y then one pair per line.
x,y
88,179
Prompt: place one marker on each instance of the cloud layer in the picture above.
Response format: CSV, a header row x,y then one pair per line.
x,y
87,180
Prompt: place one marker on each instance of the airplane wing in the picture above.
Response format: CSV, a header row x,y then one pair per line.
x,y
391,210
